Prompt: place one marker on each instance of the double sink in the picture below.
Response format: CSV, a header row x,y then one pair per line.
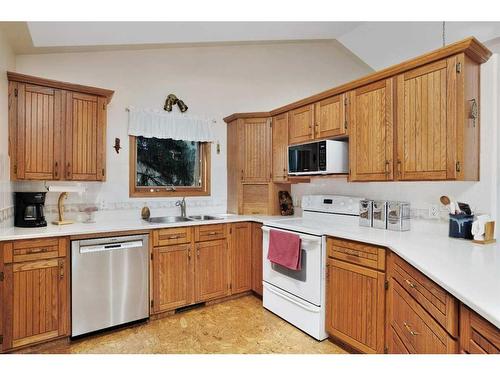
x,y
180,219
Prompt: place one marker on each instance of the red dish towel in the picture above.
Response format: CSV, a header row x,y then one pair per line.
x,y
284,249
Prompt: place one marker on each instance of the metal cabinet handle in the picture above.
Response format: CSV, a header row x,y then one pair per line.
x,y
56,169
68,169
61,270
474,111
173,237
34,251
412,332
212,233
399,167
410,284
198,251
387,163
189,253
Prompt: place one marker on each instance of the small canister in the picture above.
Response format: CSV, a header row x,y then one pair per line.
x,y
461,226
398,216
380,214
365,213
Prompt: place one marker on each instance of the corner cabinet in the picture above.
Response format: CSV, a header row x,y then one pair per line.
x,y
57,130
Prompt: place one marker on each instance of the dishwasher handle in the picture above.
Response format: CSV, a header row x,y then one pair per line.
x,y
110,247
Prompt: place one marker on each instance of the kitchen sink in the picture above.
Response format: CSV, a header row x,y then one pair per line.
x,y
205,217
168,219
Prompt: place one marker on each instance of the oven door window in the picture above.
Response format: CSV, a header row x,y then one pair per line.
x,y
297,275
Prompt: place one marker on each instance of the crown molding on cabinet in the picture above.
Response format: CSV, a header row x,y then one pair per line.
x,y
24,78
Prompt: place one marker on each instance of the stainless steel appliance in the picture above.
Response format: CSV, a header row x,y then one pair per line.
x,y
323,157
379,214
28,210
299,296
109,282
366,213
398,216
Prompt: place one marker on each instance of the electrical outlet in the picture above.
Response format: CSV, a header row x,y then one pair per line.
x,y
434,212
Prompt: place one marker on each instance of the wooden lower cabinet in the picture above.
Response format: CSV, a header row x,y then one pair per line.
x,y
35,295
241,257
477,336
355,305
172,277
211,270
257,264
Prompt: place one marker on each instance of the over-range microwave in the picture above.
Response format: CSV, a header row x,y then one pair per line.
x,y
322,157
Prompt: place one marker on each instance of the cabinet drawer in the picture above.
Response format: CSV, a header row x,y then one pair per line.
x,y
477,336
210,232
172,236
32,250
416,328
357,253
435,300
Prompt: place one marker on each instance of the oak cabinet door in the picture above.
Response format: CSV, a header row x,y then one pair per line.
x,y
85,137
477,336
257,260
330,117
211,270
301,124
241,257
172,277
355,305
36,132
280,147
371,132
426,119
36,302
256,150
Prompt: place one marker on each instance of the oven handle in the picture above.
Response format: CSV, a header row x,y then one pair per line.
x,y
290,299
303,237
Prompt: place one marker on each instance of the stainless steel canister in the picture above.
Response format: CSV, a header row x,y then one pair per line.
x,y
380,214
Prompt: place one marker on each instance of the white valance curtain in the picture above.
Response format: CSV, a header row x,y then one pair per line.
x,y
152,123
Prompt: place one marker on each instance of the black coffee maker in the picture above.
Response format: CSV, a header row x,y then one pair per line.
x,y
28,210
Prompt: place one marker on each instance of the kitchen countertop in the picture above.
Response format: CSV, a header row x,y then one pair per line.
x,y
117,224
470,272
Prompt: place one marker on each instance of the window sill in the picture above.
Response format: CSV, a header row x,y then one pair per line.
x,y
179,192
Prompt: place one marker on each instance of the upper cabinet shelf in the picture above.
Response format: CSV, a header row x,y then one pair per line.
x,y
57,130
417,120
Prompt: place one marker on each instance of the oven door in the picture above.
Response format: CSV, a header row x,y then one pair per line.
x,y
306,283
303,159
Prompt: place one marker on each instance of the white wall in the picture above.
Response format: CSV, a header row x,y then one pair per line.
x,y
480,195
7,62
381,44
213,81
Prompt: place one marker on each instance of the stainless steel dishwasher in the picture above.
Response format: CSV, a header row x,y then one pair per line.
x,y
109,282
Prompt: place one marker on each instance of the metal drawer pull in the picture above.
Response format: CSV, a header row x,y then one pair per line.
x,y
410,284
173,237
413,333
61,270
33,251
212,233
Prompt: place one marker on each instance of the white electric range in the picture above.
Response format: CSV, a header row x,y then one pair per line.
x,y
299,296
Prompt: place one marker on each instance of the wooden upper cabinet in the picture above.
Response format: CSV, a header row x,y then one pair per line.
x,y
300,127
57,130
371,132
434,125
85,130
241,257
330,117
280,147
35,131
255,143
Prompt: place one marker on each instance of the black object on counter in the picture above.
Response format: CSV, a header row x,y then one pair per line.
x,y
461,226
28,210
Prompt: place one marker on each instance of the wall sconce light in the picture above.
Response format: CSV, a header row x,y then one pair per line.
x,y
173,100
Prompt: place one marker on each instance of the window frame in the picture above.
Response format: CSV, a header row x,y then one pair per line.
x,y
180,191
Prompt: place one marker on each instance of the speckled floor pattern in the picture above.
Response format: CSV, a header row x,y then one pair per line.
x,y
237,326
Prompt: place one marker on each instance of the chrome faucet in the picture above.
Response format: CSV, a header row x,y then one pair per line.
x,y
182,205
